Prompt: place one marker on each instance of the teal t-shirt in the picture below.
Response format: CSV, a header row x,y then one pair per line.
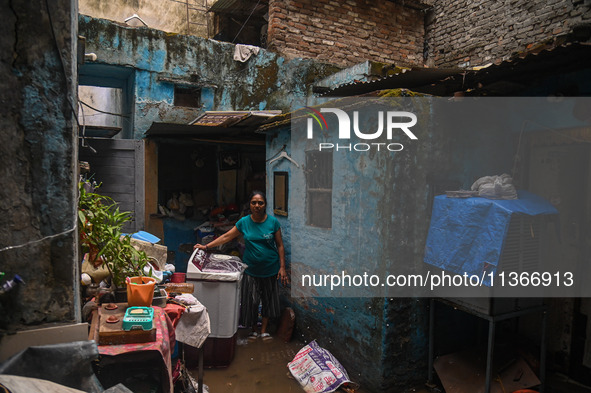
x,y
261,254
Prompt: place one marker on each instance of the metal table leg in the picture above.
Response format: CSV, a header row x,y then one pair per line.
x,y
200,376
431,339
489,355
543,354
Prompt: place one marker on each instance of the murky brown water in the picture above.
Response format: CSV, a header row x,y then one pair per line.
x,y
261,367
258,366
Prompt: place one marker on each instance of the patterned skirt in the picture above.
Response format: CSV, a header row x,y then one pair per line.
x,y
255,291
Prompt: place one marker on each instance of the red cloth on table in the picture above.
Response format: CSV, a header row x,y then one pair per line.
x,y
174,312
165,340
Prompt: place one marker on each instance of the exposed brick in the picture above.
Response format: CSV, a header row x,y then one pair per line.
x,y
518,22
352,26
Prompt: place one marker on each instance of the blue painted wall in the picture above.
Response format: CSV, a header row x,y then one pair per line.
x,y
265,82
381,209
380,218
381,202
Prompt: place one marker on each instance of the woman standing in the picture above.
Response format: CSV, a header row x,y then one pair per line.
x,y
265,256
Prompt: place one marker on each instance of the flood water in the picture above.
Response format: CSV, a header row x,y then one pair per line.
x,y
258,366
261,367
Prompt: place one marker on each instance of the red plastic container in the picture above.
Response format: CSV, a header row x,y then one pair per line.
x,y
217,353
178,277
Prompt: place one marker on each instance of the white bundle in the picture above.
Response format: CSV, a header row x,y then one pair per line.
x,y
495,187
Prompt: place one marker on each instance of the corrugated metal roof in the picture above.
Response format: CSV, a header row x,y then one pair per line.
x,y
233,118
526,70
216,124
346,103
219,119
222,5
517,73
409,78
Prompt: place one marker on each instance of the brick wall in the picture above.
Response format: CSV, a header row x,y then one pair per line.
x,y
470,33
347,32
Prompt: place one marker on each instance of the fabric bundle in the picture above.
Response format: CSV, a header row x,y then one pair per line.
x,y
495,187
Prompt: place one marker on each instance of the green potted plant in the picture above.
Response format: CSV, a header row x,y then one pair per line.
x,y
100,225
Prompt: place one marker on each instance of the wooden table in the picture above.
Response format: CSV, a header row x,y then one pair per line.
x,y
162,345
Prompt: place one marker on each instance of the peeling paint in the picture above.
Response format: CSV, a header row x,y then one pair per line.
x,y
380,215
265,81
37,161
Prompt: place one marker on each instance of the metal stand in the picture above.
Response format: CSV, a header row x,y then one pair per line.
x,y
492,321
200,365
200,375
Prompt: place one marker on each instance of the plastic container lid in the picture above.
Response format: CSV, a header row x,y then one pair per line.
x,y
145,236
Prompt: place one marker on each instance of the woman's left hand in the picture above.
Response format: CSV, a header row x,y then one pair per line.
x,y
282,276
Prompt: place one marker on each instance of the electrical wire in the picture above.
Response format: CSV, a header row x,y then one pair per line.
x,y
83,137
83,122
75,117
39,240
101,111
245,22
59,54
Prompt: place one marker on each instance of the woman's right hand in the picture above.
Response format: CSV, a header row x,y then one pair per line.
x,y
200,246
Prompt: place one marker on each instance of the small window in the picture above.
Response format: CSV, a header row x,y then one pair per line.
x,y
280,192
319,188
187,96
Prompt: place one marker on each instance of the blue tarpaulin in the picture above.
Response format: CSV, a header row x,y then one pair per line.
x,y
467,235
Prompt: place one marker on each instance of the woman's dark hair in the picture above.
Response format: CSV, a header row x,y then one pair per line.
x,y
256,192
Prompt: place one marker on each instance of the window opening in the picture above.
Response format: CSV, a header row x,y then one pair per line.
x,y
280,193
187,96
103,112
244,22
319,188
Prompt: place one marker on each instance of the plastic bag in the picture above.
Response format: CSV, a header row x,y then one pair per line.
x,y
199,257
217,262
223,263
318,371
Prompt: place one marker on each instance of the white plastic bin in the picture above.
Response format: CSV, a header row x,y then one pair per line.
x,y
220,294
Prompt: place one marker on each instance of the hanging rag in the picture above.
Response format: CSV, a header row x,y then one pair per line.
x,y
193,326
243,52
